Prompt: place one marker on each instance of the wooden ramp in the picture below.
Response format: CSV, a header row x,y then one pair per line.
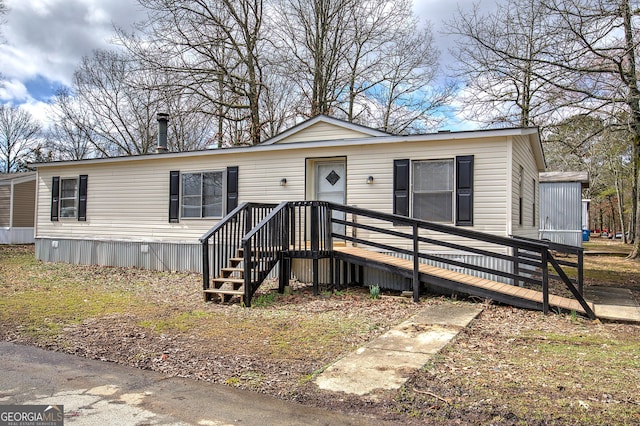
x,y
439,279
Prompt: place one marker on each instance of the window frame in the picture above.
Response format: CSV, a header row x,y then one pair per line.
x,y
76,198
451,191
182,196
521,195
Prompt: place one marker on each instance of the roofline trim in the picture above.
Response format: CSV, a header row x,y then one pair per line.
x,y
374,140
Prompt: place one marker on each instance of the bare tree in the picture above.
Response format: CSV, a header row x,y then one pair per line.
x,y
18,134
213,51
111,110
117,118
313,42
407,100
69,136
497,56
373,26
580,57
595,63
598,146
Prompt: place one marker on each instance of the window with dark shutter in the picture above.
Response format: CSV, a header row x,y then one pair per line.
x,y
432,190
232,188
401,187
464,190
174,197
82,199
55,198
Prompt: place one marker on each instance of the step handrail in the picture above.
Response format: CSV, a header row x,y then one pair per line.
x,y
227,235
270,239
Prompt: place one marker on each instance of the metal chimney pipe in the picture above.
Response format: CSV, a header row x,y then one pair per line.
x,y
163,119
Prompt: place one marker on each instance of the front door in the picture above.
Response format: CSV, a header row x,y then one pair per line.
x,y
331,185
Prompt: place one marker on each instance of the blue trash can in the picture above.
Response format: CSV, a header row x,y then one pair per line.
x,y
585,234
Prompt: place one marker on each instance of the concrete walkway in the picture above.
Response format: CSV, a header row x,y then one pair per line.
x,y
388,361
614,304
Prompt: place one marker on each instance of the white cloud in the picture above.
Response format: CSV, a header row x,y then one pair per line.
x,y
49,37
40,111
13,91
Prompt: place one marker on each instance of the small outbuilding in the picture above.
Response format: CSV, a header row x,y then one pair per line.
x,y
17,207
561,206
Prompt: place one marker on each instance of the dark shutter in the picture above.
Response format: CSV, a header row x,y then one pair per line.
x,y
401,187
82,198
55,198
464,190
232,188
174,197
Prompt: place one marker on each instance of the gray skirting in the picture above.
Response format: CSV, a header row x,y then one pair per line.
x,y
185,256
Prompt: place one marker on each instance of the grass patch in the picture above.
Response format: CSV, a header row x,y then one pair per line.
x,y
265,300
180,322
46,311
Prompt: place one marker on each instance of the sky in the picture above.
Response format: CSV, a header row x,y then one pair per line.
x,y
44,41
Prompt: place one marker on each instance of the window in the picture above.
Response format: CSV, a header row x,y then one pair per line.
x,y
438,189
68,198
433,186
520,194
202,195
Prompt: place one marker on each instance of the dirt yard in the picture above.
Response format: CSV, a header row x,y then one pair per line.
x,y
511,366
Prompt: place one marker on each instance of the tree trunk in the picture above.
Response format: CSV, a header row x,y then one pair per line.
x,y
634,105
620,205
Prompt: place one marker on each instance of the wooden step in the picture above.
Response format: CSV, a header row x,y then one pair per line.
x,y
232,269
229,280
224,291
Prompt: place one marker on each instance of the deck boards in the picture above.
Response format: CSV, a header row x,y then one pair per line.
x,y
469,280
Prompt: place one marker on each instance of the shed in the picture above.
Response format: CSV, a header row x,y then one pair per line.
x,y
561,206
17,207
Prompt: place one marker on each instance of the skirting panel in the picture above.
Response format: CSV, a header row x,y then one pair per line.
x,y
16,236
159,256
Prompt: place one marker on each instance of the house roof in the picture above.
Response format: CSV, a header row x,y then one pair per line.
x,y
17,177
369,137
581,177
355,129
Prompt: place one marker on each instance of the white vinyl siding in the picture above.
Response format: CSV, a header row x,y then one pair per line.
x,y
523,187
322,131
129,198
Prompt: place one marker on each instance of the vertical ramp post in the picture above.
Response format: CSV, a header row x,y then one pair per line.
x,y
285,262
247,255
416,265
315,244
545,281
581,272
205,264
